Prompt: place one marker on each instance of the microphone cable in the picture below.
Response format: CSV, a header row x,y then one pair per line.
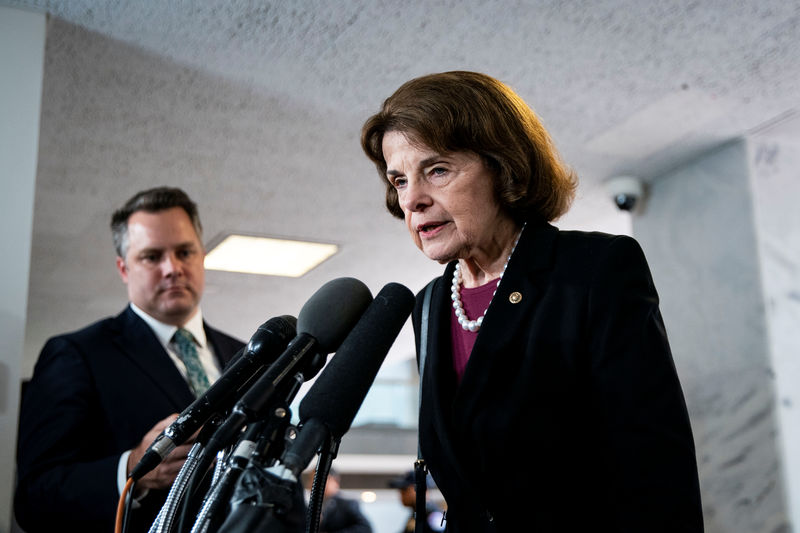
x,y
123,506
187,504
328,452
166,517
220,489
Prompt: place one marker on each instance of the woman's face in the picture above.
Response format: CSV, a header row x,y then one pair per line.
x,y
448,199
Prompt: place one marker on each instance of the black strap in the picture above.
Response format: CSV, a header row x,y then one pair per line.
x,y
423,343
420,468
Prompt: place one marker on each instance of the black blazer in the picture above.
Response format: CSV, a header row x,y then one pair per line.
x,y
93,395
570,416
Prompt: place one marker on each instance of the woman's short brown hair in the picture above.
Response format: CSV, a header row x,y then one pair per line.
x,y
468,111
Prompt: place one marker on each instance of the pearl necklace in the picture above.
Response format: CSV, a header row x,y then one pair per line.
x,y
455,293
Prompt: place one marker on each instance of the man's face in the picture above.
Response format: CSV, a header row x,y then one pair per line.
x,y
408,496
163,266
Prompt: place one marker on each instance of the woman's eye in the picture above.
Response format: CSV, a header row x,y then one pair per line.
x,y
438,171
398,182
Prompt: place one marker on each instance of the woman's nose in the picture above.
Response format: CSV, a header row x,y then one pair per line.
x,y
415,196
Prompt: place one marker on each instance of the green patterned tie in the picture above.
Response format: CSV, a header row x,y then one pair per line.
x,y
187,351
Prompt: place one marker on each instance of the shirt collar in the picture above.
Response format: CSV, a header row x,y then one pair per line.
x,y
164,332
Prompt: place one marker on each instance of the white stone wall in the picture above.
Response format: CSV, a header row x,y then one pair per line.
x,y
775,162
22,36
698,231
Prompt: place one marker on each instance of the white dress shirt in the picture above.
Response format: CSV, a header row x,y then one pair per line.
x,y
164,333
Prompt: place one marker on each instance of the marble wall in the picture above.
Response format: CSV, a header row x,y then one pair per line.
x,y
775,160
699,231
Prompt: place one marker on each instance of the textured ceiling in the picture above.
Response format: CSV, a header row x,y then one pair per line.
x,y
256,108
709,70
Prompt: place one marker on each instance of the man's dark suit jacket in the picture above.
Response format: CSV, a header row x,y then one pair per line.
x,y
94,394
342,515
570,416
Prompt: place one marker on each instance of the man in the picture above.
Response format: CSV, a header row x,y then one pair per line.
x,y
100,395
433,520
340,514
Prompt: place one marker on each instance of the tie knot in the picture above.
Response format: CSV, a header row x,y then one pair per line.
x,y
183,336
187,351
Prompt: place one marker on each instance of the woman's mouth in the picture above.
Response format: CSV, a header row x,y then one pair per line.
x,y
429,229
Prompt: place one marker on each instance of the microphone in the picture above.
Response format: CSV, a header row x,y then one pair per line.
x,y
322,324
267,342
332,402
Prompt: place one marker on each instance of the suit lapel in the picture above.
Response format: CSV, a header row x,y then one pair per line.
x,y
136,341
526,275
224,348
509,313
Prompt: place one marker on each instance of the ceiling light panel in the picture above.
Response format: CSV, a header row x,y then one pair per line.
x,y
267,256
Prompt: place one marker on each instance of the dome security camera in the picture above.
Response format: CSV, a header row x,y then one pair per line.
x,y
625,191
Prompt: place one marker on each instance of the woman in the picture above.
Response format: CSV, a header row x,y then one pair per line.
x,y
549,394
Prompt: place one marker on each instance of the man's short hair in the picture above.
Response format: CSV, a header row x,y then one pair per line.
x,y
151,201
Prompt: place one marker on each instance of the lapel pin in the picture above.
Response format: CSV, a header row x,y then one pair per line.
x,y
515,297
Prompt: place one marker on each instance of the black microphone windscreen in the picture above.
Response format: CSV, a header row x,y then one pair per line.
x,y
282,328
265,345
338,392
339,302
